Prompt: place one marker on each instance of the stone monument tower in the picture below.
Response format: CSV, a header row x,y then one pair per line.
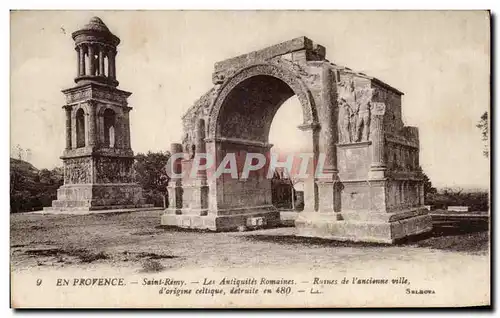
x,y
98,159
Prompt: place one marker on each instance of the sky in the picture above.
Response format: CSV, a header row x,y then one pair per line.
x,y
439,59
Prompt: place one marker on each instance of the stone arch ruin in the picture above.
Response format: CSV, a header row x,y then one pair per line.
x,y
353,122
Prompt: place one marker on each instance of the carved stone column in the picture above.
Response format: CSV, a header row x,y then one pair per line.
x,y
111,64
310,189
68,126
378,165
91,60
92,124
101,61
201,149
175,184
421,197
78,69
198,192
81,62
328,185
328,120
126,128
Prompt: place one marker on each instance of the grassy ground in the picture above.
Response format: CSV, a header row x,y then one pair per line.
x,y
137,240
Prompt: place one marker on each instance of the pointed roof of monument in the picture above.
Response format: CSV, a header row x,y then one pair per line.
x,y
96,24
95,30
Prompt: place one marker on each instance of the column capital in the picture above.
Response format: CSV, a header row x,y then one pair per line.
x,y
309,126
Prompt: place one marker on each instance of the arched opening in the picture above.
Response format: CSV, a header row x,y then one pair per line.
x,y
109,128
80,128
287,140
249,108
244,126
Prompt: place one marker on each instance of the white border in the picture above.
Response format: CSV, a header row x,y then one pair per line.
x,y
186,5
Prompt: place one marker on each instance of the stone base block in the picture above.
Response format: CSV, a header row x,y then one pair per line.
x,y
252,219
288,218
363,229
88,197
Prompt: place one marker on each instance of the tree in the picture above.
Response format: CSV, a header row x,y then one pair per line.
x,y
428,188
30,188
483,126
151,175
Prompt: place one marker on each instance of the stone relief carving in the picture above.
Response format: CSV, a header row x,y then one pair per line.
x,y
77,171
77,96
218,78
111,170
109,96
72,97
188,146
363,106
344,123
354,112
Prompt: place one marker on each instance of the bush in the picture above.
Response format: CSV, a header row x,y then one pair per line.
x,y
155,198
476,201
32,189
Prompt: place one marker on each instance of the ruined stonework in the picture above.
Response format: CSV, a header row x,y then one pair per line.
x,y
98,159
374,191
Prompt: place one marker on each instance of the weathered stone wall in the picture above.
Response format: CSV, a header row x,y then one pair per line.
x,y
353,161
238,193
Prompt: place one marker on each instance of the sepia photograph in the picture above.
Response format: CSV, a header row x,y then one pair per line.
x,y
250,159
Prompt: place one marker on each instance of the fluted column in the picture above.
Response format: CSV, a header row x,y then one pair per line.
x,y
310,155
78,69
111,64
378,165
91,60
421,198
327,177
101,61
201,147
81,57
92,124
126,128
68,127
199,192
175,184
328,122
